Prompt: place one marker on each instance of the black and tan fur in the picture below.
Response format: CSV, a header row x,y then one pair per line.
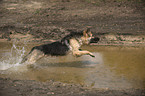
x,y
70,43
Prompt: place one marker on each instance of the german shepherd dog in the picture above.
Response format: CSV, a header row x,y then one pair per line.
x,y
70,43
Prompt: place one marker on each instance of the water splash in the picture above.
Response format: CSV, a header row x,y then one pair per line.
x,y
13,57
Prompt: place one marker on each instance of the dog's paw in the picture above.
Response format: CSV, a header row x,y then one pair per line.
x,y
92,56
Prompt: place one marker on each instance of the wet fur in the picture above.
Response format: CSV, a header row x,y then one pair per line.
x,y
71,42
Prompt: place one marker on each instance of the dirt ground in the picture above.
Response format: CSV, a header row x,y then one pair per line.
x,y
114,21
10,87
52,19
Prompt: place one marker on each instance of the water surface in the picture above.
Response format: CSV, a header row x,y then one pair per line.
x,y
114,67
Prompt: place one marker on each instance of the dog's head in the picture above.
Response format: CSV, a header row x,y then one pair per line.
x,y
87,36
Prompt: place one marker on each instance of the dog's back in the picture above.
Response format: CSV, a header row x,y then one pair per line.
x,y
54,49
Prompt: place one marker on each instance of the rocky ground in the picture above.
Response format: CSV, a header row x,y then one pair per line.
x,y
116,22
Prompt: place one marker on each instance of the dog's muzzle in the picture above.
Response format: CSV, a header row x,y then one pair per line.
x,y
94,40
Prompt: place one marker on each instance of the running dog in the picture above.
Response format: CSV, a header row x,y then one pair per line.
x,y
70,43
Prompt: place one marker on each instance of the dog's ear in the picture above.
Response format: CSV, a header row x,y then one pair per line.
x,y
87,32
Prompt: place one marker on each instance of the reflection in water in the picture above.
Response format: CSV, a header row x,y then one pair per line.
x,y
113,67
128,63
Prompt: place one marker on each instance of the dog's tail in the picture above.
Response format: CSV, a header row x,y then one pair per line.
x,y
27,56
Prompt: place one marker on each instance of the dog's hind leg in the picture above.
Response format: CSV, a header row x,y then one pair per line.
x,y
34,56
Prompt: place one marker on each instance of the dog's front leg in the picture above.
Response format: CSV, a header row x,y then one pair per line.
x,y
80,53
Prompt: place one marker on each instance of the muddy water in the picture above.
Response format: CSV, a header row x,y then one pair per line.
x,y
113,67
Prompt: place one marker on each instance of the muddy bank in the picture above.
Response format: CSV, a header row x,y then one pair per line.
x,y
10,87
45,20
121,39
104,39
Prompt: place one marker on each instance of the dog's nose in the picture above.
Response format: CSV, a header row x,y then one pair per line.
x,y
94,40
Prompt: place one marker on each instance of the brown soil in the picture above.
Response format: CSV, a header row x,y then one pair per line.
x,y
52,19
48,20
10,87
